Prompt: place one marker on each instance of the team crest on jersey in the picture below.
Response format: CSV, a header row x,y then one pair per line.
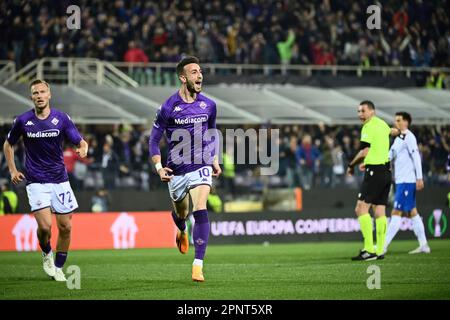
x,y
55,121
203,105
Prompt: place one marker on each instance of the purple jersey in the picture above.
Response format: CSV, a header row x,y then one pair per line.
x,y
194,119
43,140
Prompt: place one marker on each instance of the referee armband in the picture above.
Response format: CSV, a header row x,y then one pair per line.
x,y
364,145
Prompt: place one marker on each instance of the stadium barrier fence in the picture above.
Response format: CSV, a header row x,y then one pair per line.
x,y
126,230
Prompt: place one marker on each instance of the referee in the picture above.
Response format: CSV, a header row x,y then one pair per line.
x,y
377,180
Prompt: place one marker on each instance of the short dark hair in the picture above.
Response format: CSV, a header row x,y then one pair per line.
x,y
186,61
38,81
368,103
405,116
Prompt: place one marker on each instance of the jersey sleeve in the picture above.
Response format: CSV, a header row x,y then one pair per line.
x,y
16,131
212,118
159,126
413,150
71,131
391,154
212,125
366,135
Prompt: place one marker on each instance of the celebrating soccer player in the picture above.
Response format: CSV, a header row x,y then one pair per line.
x,y
377,180
190,115
43,130
408,179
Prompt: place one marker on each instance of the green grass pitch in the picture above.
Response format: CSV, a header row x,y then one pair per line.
x,y
276,272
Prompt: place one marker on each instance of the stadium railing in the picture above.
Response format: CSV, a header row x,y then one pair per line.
x,y
158,73
73,71
7,69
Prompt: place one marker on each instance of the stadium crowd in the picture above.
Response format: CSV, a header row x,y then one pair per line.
x,y
413,33
310,156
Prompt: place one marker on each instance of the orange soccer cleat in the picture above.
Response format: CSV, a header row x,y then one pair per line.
x,y
197,274
182,241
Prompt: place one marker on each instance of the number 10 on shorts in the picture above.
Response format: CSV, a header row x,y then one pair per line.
x,y
203,172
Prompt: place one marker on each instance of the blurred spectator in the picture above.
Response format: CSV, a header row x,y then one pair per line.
x,y
214,203
288,161
109,166
76,167
308,161
100,201
435,80
285,49
228,174
8,200
134,54
412,33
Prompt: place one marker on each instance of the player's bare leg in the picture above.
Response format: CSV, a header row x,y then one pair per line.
x,y
179,215
419,231
199,197
44,232
64,222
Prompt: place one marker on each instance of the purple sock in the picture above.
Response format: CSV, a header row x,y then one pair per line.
x,y
60,259
46,248
200,233
180,222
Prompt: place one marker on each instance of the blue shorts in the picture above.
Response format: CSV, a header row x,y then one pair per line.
x,y
405,197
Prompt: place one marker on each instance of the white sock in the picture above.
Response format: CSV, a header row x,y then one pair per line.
x,y
198,262
419,230
393,227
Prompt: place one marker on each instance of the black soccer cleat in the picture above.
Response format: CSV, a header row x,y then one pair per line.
x,y
380,257
365,256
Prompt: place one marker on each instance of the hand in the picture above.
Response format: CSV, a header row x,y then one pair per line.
x,y
362,167
395,131
164,174
350,171
17,177
216,170
419,185
81,152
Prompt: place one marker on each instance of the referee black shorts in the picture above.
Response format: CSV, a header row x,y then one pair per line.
x,y
376,184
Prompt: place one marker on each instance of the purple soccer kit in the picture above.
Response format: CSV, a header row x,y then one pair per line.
x,y
43,140
192,121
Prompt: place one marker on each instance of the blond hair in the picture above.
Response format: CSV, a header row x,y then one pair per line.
x,y
38,81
